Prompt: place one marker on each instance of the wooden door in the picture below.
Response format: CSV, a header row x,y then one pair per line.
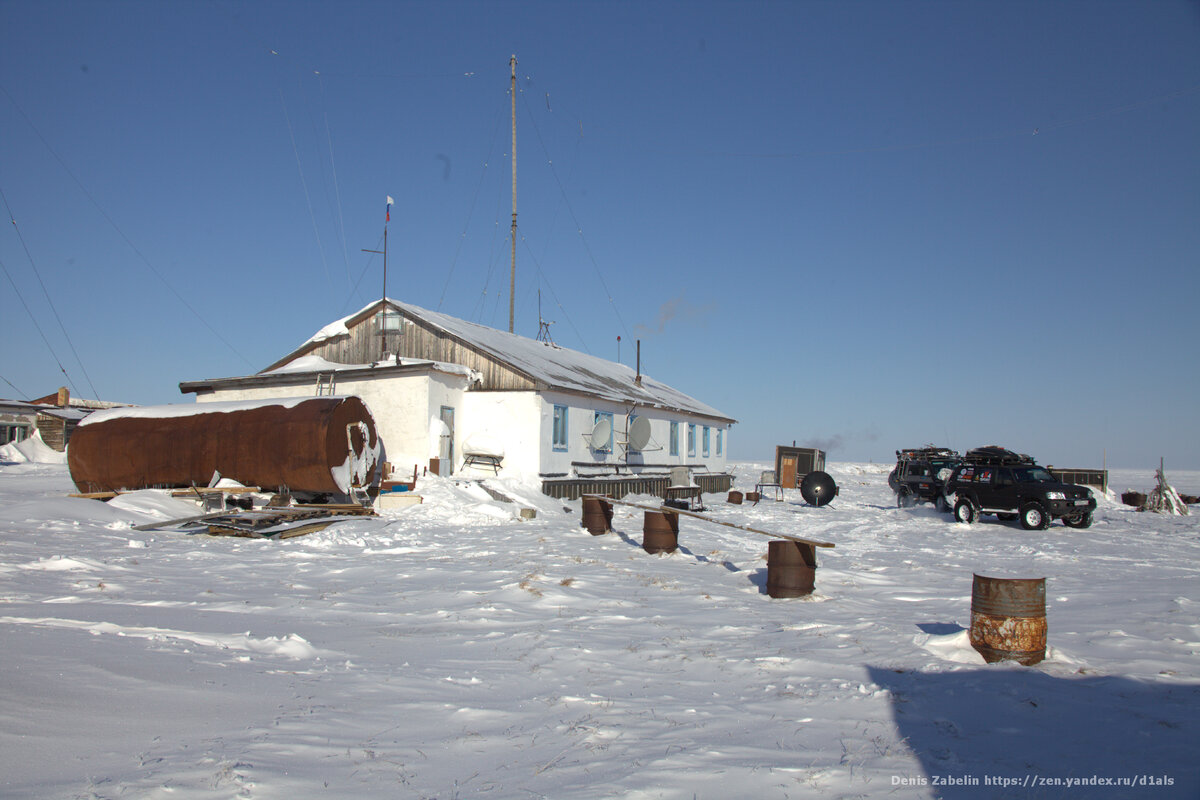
x,y
787,471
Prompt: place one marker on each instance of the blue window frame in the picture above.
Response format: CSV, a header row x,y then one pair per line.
x,y
674,438
692,439
706,440
559,435
599,416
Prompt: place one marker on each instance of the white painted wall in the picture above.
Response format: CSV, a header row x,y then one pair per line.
x,y
581,418
515,420
523,422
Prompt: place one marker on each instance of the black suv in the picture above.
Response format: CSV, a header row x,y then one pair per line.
x,y
920,475
992,480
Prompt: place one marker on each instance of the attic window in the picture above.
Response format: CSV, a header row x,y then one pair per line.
x,y
389,321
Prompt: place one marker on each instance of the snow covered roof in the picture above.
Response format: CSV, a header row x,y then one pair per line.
x,y
305,369
550,366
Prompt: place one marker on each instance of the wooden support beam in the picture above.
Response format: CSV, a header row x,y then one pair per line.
x,y
669,510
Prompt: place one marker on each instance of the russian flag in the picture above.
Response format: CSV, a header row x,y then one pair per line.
x,y
388,211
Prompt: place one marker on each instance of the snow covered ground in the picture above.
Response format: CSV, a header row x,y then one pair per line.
x,y
453,650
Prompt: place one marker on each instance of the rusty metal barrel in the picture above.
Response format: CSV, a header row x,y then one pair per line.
x,y
1008,619
597,516
791,568
735,497
325,445
660,532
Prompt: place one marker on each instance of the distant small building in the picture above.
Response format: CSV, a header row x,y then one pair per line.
x,y
793,463
454,394
18,420
58,414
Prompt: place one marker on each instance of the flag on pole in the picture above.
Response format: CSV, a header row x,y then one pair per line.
x,y
388,210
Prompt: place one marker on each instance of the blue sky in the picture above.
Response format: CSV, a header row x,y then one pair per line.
x,y
859,225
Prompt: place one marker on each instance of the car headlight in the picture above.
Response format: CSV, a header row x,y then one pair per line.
x,y
1055,496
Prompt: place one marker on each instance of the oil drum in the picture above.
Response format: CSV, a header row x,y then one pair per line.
x,y
660,532
735,497
597,516
791,568
1008,619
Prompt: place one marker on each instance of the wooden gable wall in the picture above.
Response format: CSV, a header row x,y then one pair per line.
x,y
362,346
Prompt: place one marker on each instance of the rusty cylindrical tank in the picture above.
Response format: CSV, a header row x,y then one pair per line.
x,y
735,497
597,516
320,445
1008,619
791,568
660,532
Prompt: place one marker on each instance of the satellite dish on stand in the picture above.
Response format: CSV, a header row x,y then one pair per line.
x,y
601,436
639,433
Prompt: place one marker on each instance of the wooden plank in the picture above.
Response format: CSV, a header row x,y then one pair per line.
x,y
667,510
95,495
203,490
171,523
345,509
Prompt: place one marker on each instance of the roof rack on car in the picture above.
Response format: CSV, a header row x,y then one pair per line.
x,y
993,455
929,451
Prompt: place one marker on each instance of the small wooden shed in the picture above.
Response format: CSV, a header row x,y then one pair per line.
x,y
1082,477
793,463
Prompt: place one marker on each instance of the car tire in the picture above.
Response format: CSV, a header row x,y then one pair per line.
x,y
1034,517
904,498
1082,521
942,503
965,511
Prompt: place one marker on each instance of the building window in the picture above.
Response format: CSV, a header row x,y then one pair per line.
x,y
720,442
692,439
13,433
674,438
604,448
559,436
706,440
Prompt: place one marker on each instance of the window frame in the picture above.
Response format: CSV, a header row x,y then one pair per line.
x,y
560,444
611,431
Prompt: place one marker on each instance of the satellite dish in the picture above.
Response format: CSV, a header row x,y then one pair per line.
x,y
639,433
602,434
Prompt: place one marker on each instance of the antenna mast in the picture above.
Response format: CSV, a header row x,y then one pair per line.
x,y
512,278
543,325
387,217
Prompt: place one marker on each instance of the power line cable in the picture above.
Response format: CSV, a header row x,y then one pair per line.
x,y
557,302
471,211
337,193
304,183
571,211
46,292
121,233
15,389
37,327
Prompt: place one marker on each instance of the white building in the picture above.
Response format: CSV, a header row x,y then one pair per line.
x,y
467,395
